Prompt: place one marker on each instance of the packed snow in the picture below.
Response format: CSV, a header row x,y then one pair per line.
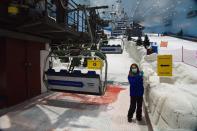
x,y
119,64
171,101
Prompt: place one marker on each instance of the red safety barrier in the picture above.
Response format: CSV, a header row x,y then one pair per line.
x,y
164,44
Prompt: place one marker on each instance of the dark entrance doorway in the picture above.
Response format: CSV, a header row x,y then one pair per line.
x,y
21,70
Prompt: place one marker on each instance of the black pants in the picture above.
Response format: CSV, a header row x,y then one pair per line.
x,y
135,100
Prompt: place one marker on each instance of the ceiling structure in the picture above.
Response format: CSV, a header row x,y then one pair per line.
x,y
166,14
156,12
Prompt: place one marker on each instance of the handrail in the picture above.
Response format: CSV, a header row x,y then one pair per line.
x,y
77,15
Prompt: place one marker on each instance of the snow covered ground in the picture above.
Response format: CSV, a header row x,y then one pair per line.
x,y
171,100
119,64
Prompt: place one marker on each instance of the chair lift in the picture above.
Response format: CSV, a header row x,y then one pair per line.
x,y
106,48
74,81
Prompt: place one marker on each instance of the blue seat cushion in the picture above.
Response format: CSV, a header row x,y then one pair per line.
x,y
76,72
63,72
53,73
91,72
50,72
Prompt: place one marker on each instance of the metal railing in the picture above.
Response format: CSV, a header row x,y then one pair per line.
x,y
75,18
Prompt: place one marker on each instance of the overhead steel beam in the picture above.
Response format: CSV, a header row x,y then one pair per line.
x,y
81,7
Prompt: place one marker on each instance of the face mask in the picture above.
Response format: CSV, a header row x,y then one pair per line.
x,y
134,71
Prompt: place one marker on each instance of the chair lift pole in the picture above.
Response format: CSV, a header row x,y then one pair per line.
x,y
89,28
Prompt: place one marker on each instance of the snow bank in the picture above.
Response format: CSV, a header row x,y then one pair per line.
x,y
171,101
171,107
